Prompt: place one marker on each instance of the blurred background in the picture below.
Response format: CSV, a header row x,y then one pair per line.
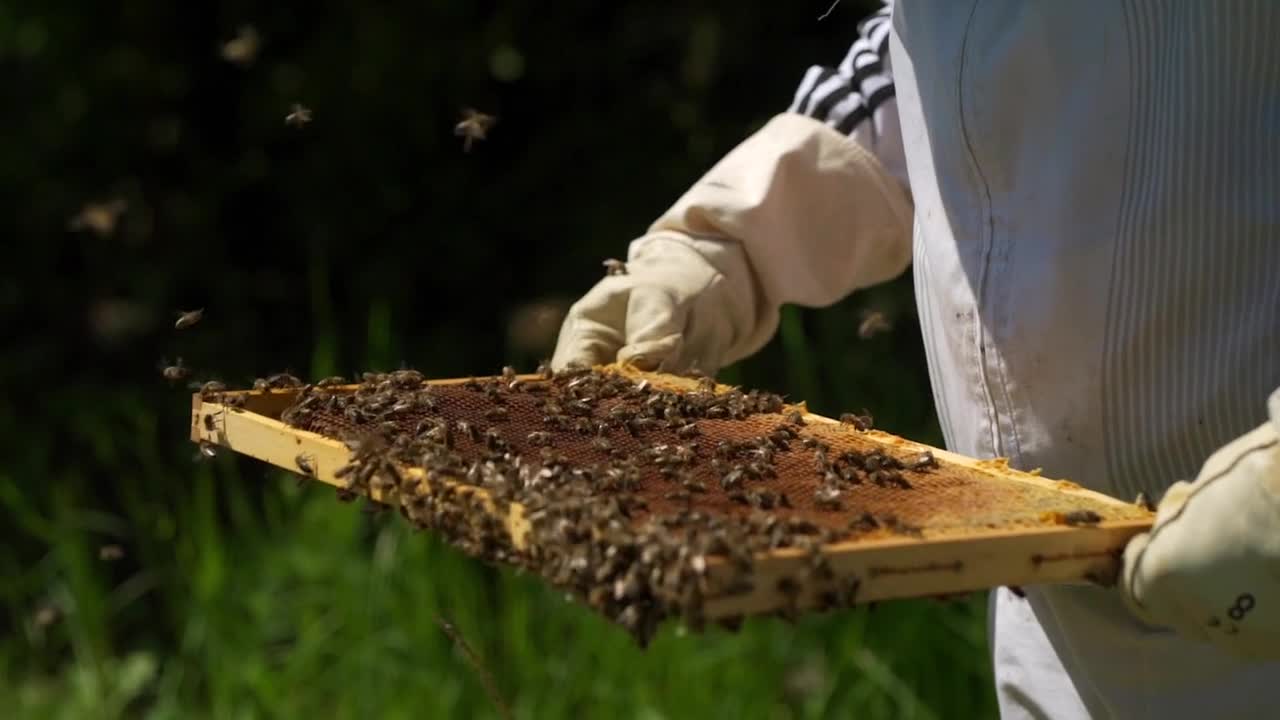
x,y
148,168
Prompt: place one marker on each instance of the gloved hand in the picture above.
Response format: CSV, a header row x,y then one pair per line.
x,y
797,213
683,303
1210,567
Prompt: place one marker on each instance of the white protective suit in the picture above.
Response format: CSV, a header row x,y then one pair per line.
x,y
1093,214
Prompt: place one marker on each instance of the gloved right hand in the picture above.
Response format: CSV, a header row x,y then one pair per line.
x,y
684,303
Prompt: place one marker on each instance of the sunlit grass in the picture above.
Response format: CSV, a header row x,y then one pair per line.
x,y
309,607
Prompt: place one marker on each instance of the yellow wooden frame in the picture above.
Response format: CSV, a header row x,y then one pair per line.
x,y
884,568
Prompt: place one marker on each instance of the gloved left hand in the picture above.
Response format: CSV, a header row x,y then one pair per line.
x,y
1210,567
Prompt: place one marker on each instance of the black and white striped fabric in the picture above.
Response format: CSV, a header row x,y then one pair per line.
x,y
857,96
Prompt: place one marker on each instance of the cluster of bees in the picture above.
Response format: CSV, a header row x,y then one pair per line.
x,y
621,485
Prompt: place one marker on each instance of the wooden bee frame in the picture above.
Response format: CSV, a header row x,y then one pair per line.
x,y
868,568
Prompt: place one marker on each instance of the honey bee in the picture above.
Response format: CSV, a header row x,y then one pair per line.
x,y
283,380
1081,517
110,553
331,381
694,485
539,437
687,431
47,615
679,496
1142,502
873,323
795,417
494,440
471,431
733,478
827,497
859,422
100,218
212,387
298,116
497,414
305,464
175,372
208,422
208,449
243,48
923,461
474,126
614,267
188,318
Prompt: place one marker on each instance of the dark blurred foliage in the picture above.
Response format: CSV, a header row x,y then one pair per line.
x,y
366,239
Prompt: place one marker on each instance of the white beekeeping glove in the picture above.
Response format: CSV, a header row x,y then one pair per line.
x,y
1210,567
797,213
682,303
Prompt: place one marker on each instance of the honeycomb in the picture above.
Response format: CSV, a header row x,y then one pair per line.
x,y
939,499
708,472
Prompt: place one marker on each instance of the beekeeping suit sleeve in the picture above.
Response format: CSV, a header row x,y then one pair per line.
x,y
1210,567
809,208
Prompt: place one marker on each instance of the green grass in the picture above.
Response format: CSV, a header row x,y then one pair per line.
x,y
302,606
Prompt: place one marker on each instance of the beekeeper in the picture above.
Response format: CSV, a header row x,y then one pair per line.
x,y
1090,195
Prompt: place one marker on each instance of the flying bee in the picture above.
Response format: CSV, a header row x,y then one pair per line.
x,y
110,553
188,318
212,387
298,116
873,323
243,48
99,217
474,126
305,464
614,267
208,449
175,372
